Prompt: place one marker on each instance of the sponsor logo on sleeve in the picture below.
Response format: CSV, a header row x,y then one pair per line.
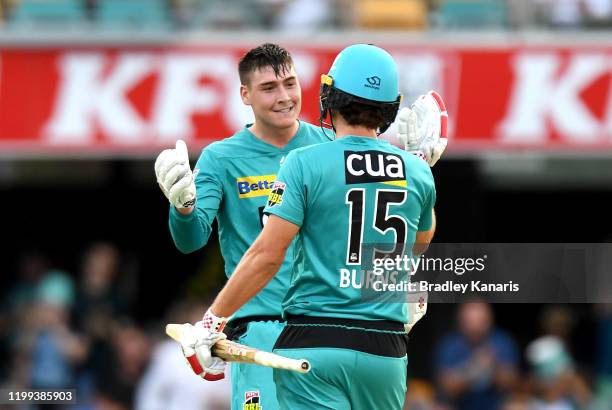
x,y
253,186
361,167
252,401
276,195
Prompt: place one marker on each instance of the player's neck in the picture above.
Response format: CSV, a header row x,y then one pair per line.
x,y
278,137
354,130
343,128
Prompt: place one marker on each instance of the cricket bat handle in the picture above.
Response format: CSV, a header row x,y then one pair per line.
x,y
235,352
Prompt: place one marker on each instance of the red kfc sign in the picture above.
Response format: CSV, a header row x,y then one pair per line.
x,y
128,100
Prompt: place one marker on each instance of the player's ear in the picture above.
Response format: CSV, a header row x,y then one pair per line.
x,y
245,94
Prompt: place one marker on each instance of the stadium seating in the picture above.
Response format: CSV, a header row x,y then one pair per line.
x,y
132,15
468,14
391,14
229,14
48,14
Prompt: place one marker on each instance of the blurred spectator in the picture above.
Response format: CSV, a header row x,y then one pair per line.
x,y
101,302
17,302
99,299
558,321
169,383
555,383
117,378
32,268
476,366
47,350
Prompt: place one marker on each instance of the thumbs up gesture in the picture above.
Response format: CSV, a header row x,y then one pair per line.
x,y
175,177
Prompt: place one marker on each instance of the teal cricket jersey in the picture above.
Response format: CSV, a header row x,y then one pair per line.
x,y
342,194
233,180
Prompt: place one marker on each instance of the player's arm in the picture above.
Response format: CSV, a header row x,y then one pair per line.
x,y
427,220
191,232
417,303
424,238
286,206
257,267
194,197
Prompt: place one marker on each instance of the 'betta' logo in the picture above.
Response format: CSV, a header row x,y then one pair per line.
x,y
373,82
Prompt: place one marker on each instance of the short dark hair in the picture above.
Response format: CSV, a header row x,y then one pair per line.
x,y
362,114
265,55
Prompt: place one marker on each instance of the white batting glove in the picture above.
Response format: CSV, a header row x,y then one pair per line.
x,y
197,341
422,128
417,308
174,176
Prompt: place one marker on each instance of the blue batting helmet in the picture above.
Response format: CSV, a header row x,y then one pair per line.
x,y
365,74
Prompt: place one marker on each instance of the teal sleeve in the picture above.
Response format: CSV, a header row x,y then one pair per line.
x,y
426,220
287,198
191,232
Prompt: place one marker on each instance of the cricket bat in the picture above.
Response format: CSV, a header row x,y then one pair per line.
x,y
235,352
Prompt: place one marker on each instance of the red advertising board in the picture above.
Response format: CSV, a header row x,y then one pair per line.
x,y
135,99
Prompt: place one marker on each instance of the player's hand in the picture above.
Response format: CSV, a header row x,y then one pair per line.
x,y
174,176
417,308
422,128
197,341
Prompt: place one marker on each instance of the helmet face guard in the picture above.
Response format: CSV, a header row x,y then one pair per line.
x,y
331,98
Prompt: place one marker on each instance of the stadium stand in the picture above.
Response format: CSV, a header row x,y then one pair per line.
x,y
133,14
48,13
471,14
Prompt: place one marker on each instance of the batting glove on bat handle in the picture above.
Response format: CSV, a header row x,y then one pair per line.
x,y
215,324
175,177
197,342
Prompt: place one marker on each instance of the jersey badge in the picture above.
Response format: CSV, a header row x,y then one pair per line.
x,y
252,401
276,196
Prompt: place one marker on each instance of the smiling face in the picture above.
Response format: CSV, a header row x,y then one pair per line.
x,y
276,100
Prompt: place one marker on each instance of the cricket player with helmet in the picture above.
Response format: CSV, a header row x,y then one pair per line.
x,y
231,183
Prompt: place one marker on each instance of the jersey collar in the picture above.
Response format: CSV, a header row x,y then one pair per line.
x,y
293,143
